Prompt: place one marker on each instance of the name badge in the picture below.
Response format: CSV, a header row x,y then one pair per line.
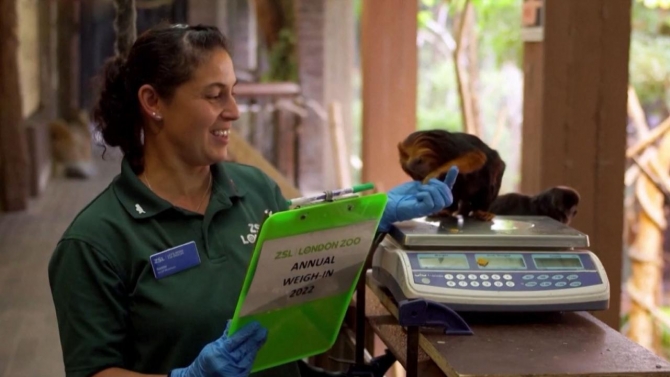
x,y
176,259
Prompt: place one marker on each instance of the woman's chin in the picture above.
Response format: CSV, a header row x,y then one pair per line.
x,y
218,155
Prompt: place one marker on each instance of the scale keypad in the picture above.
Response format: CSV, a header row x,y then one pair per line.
x,y
513,281
513,271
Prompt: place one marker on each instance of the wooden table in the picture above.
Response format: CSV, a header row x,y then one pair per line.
x,y
557,344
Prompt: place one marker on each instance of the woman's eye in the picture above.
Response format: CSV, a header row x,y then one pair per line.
x,y
215,96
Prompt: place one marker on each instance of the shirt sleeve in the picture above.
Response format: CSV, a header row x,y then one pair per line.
x,y
91,308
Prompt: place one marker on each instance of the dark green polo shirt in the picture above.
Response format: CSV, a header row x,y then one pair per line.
x,y
113,312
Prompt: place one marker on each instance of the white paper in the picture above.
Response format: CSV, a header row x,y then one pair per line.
x,y
293,270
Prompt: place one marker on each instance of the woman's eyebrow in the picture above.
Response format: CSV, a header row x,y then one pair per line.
x,y
221,85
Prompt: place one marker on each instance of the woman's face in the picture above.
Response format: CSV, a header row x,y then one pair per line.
x,y
197,119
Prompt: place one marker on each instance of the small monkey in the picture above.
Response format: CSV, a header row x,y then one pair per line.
x,y
560,203
430,154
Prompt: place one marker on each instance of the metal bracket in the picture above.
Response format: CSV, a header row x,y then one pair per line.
x,y
421,312
377,367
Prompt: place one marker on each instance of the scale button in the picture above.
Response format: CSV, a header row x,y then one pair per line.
x,y
545,284
572,277
557,277
463,283
531,284
575,284
510,283
498,284
543,277
484,277
448,276
451,283
460,276
486,283
527,277
425,281
474,283
495,277
507,277
472,277
561,284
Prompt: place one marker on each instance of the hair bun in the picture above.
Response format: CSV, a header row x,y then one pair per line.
x,y
114,105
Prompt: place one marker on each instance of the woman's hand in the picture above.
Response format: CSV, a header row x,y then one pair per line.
x,y
414,199
227,356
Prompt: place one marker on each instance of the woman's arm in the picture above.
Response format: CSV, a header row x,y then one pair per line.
x,y
118,372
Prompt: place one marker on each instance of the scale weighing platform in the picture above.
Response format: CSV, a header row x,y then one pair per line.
x,y
511,263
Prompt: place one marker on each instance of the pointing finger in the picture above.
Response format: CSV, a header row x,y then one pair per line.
x,y
450,179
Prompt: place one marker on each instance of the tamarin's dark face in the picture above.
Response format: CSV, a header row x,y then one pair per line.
x,y
418,157
560,203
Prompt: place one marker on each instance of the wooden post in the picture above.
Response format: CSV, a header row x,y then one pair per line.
x,y
14,164
313,167
574,130
68,59
389,64
339,50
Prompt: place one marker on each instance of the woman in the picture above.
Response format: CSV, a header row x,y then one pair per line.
x,y
147,276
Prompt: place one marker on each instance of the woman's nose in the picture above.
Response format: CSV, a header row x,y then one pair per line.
x,y
231,112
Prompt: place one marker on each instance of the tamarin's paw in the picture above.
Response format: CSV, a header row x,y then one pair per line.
x,y
442,214
483,215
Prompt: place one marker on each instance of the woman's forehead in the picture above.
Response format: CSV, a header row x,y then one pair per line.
x,y
216,67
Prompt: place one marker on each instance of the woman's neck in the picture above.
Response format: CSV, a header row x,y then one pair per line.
x,y
172,179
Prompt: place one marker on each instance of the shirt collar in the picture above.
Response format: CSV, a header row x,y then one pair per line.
x,y
140,202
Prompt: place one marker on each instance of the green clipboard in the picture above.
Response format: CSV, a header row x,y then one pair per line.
x,y
308,262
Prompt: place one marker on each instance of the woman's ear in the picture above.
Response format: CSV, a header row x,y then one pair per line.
x,y
149,102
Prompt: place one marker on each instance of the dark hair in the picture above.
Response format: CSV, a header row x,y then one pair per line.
x,y
163,57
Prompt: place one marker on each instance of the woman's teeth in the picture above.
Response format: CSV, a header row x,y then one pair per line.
x,y
221,132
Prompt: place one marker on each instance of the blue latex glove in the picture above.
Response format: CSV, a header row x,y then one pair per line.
x,y
413,199
228,356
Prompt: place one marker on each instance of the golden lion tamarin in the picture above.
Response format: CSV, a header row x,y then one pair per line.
x,y
560,203
430,154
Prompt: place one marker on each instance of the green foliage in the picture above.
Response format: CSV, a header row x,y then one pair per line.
x,y
498,35
499,28
282,59
649,65
663,4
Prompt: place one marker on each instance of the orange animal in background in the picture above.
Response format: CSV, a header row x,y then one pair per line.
x,y
430,154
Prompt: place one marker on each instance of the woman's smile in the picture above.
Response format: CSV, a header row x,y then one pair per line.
x,y
221,135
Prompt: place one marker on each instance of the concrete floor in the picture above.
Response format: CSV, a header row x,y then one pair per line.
x,y
29,341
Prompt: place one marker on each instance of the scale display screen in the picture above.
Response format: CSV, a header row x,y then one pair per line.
x,y
564,262
443,261
500,261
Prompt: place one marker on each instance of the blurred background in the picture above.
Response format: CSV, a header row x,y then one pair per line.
x,y
327,89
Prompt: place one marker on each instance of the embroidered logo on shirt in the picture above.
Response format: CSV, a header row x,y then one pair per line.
x,y
250,238
139,209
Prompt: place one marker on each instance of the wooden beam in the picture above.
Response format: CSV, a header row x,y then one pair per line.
x,y
575,97
14,164
389,65
270,89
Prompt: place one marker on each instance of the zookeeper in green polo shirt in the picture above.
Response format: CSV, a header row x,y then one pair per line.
x,y
169,107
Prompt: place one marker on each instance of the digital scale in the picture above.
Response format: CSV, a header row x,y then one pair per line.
x,y
512,263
